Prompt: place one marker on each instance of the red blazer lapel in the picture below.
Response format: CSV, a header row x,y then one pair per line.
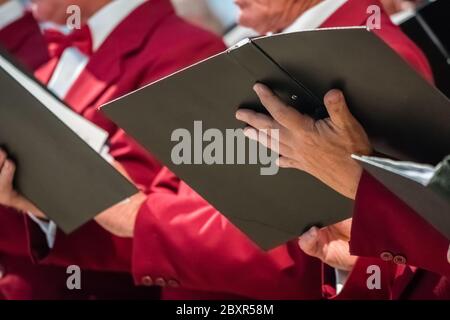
x,y
352,13
105,66
44,72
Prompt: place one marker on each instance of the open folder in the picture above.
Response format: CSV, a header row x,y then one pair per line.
x,y
404,116
59,168
417,185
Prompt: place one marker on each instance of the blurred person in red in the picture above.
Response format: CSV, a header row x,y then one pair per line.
x,y
120,46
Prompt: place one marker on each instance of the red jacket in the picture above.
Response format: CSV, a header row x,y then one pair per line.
x,y
211,255
414,252
150,43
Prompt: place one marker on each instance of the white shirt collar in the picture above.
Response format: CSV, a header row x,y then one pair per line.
x,y
314,17
103,22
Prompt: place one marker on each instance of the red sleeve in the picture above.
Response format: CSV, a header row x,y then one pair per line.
x,y
356,285
385,225
406,49
23,40
182,239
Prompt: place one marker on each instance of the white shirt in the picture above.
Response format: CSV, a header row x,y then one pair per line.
x,y
10,12
101,24
314,17
72,61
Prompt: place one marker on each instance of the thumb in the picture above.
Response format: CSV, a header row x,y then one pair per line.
x,y
7,175
309,242
337,109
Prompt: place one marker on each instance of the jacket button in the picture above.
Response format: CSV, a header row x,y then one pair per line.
x,y
2,271
147,281
399,260
173,283
386,256
160,282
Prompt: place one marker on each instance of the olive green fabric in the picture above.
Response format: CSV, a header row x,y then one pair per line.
x,y
441,180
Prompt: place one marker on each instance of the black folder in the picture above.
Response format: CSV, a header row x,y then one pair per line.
x,y
60,173
404,116
415,185
429,28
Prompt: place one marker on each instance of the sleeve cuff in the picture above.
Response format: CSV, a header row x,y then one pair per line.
x,y
49,228
9,12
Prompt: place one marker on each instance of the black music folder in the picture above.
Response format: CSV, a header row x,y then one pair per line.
x,y
404,116
424,188
57,170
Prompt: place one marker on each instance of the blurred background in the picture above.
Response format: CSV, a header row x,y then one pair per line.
x,y
220,16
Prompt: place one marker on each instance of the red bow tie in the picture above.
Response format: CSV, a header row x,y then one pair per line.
x,y
58,42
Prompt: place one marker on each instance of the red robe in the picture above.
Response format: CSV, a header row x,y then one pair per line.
x,y
150,43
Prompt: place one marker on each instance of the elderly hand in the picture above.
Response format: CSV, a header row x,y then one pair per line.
x,y
120,219
8,196
330,244
321,148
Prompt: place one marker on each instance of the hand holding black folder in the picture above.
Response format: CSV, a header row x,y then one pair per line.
x,y
57,170
404,116
321,148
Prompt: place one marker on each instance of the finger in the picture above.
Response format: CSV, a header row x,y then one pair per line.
x,y
309,243
343,229
338,110
7,174
256,119
268,140
3,157
282,113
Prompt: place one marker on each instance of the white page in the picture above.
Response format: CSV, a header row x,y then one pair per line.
x,y
420,173
93,135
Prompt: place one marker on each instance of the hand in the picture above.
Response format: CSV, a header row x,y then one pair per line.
x,y
394,6
3,2
330,244
321,148
8,196
120,219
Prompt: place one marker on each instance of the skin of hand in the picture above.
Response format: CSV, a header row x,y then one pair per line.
x,y
322,148
3,2
330,245
395,6
120,219
8,196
